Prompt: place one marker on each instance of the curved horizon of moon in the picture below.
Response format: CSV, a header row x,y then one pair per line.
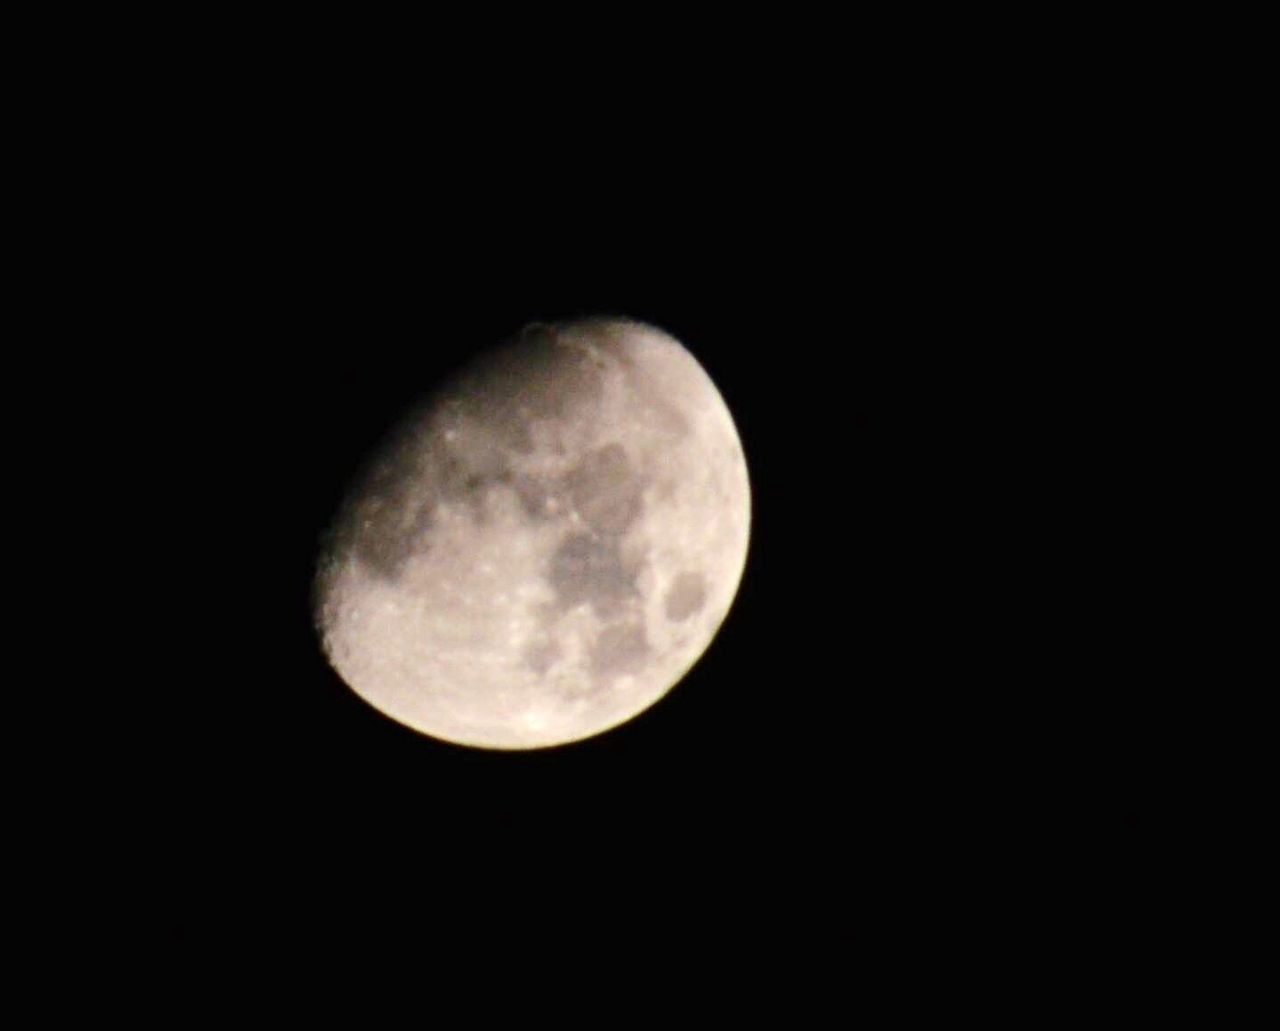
x,y
541,550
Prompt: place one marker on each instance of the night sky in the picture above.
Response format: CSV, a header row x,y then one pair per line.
x,y
889,731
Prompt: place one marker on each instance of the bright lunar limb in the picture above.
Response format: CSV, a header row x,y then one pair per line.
x,y
544,547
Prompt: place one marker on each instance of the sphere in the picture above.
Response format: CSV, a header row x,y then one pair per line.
x,y
544,546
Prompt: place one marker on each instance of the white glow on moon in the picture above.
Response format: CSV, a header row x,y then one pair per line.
x,y
544,548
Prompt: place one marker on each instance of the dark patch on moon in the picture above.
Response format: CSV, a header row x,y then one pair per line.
x,y
384,520
542,375
608,331
467,478
588,568
388,518
605,490
511,429
388,531
620,648
451,476
534,494
540,655
686,595
662,414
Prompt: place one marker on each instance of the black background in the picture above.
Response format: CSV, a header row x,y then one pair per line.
x,y
893,735
876,727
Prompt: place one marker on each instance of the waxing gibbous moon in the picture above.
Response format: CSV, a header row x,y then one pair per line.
x,y
545,546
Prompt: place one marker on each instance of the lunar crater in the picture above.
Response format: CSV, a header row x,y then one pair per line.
x,y
686,595
620,648
541,654
539,498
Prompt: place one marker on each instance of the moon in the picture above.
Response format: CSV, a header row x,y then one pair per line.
x,y
545,546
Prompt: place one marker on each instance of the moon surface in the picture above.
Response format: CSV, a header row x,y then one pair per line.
x,y
545,546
